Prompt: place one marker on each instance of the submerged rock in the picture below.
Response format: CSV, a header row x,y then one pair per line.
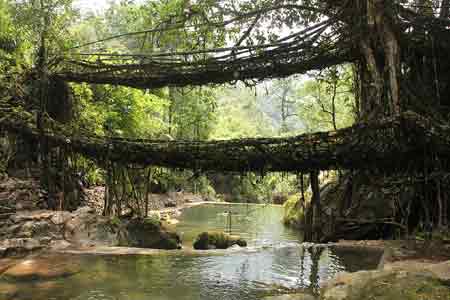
x,y
8,290
217,240
6,263
42,269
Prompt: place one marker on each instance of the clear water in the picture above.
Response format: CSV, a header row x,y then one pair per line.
x,y
274,263
260,225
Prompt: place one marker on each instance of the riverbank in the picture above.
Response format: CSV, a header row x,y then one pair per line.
x,y
165,203
408,270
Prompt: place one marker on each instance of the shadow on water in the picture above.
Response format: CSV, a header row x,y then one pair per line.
x,y
276,262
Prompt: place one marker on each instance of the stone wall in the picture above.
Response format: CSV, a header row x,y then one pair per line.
x,y
18,194
27,226
28,231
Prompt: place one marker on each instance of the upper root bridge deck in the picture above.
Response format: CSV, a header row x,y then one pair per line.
x,y
150,72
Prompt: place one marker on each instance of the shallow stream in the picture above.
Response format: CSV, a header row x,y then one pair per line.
x,y
275,262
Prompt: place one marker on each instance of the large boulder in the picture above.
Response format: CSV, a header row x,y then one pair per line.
x,y
86,228
149,233
217,240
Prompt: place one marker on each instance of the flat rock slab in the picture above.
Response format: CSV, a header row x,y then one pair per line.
x,y
42,269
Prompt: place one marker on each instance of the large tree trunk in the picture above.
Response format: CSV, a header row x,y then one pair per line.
x,y
380,52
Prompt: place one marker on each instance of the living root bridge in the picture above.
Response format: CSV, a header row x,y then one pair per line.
x,y
155,74
391,145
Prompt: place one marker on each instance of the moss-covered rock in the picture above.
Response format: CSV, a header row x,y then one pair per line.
x,y
149,233
217,240
290,297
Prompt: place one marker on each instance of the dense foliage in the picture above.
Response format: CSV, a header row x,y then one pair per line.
x,y
280,107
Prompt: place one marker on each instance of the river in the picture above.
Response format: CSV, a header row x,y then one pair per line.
x,y
274,262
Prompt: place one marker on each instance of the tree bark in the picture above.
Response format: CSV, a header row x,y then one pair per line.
x,y
372,82
381,53
392,57
445,9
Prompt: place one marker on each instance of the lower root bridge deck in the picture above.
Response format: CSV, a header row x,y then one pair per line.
x,y
392,144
